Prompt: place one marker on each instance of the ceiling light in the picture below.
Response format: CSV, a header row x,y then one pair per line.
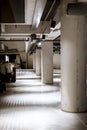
x,y
53,24
43,37
39,44
33,37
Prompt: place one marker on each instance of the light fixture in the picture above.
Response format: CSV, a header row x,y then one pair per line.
x,y
33,37
39,44
53,24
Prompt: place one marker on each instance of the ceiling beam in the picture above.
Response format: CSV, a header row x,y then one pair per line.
x,y
26,29
13,40
29,10
39,8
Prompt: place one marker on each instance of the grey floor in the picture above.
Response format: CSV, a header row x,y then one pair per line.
x,y
30,105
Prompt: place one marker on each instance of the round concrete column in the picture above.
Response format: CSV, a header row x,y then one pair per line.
x,y
34,61
38,61
47,62
73,63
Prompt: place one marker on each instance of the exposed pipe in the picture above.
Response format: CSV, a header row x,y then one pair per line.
x,y
77,9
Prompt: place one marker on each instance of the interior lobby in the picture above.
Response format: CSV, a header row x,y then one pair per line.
x,y
47,42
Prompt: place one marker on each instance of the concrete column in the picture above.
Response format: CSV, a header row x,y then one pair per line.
x,y
73,63
38,61
47,62
34,62
26,60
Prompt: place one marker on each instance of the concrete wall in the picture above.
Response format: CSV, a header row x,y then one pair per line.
x,y
23,56
28,59
56,61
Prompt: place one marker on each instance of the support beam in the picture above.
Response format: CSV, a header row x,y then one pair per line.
x,y
29,10
40,5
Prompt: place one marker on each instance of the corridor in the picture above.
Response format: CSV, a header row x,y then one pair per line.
x,y
30,105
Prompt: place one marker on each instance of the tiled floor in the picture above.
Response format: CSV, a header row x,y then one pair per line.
x,y
30,105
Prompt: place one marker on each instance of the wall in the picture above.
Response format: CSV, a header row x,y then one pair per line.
x,y
56,61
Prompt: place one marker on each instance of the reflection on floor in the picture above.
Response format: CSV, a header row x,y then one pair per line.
x,y
30,105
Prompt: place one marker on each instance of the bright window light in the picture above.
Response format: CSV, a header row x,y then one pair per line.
x,y
7,58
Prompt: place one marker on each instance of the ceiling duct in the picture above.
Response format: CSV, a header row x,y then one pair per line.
x,y
50,10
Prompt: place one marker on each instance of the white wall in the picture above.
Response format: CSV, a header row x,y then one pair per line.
x,y
28,59
56,61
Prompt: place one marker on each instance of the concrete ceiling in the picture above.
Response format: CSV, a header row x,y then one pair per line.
x,y
21,18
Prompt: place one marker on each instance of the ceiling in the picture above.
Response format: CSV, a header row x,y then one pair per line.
x,y
21,18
